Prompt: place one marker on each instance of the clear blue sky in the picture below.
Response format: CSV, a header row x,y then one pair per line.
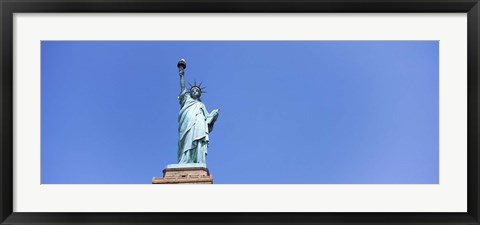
x,y
291,112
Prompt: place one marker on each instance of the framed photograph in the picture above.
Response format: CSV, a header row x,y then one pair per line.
x,y
231,112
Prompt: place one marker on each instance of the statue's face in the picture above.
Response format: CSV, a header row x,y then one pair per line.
x,y
195,93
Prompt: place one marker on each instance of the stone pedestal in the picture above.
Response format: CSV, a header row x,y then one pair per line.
x,y
191,173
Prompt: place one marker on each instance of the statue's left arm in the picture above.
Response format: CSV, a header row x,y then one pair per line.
x,y
211,118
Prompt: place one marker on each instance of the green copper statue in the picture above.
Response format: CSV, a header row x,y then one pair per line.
x,y
194,122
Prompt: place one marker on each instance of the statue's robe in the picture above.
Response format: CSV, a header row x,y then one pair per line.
x,y
192,129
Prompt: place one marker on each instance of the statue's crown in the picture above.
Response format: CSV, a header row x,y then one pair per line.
x,y
199,86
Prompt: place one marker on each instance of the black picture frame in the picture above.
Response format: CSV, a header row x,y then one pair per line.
x,y
9,7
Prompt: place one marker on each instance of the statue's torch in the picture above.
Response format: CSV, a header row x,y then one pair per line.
x,y
181,66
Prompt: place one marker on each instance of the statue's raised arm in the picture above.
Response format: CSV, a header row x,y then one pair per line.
x,y
181,70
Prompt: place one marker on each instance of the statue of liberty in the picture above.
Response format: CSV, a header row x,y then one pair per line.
x,y
194,122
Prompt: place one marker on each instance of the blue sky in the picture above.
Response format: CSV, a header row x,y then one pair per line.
x,y
291,112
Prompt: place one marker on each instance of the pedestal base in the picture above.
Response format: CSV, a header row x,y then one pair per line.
x,y
183,174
